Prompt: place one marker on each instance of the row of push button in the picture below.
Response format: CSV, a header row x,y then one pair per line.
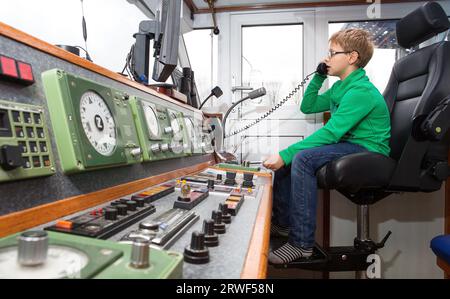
x,y
34,147
28,117
20,132
35,162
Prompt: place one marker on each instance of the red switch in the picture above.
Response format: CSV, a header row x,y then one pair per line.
x,y
17,71
25,71
8,67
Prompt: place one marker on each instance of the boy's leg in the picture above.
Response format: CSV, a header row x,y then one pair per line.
x,y
302,208
281,199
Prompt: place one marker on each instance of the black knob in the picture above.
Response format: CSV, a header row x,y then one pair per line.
x,y
140,202
210,184
149,225
115,203
226,216
123,201
122,209
219,176
197,252
231,175
131,204
211,238
219,226
111,213
10,156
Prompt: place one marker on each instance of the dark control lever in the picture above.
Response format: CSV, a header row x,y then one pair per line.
x,y
383,241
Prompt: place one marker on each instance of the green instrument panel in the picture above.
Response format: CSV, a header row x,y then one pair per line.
x,y
92,123
25,149
70,256
161,130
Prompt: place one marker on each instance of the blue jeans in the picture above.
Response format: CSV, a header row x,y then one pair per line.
x,y
295,190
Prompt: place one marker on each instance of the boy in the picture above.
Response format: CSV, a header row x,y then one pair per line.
x,y
360,122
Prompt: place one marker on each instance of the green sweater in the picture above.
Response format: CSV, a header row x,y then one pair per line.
x,y
359,115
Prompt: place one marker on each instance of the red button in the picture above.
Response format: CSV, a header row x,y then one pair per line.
x,y
8,66
26,73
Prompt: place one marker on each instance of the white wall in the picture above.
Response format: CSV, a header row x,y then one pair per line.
x,y
414,219
110,23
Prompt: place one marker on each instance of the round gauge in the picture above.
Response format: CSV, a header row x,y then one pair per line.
x,y
190,128
174,123
61,262
98,123
152,121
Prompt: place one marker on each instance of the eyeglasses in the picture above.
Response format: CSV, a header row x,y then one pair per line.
x,y
331,53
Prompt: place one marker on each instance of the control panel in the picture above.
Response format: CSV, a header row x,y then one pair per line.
x,y
106,221
25,149
93,123
161,135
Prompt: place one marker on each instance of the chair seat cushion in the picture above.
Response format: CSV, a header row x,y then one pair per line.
x,y
441,247
355,172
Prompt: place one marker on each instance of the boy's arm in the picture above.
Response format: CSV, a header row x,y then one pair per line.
x,y
313,102
353,108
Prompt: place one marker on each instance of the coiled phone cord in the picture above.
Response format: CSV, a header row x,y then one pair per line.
x,y
281,103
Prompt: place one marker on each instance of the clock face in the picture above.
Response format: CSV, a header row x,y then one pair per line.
x,y
152,120
98,123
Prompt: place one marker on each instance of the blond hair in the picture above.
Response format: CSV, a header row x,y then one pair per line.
x,y
355,40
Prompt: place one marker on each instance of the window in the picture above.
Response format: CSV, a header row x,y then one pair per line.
x,y
272,56
201,45
386,51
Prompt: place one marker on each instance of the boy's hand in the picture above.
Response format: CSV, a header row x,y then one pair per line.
x,y
274,162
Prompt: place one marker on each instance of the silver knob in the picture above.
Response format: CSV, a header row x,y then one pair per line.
x,y
140,252
33,248
155,147
176,148
136,152
168,130
164,147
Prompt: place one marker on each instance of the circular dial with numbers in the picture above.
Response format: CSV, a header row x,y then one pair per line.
x,y
190,128
174,123
61,262
152,120
98,123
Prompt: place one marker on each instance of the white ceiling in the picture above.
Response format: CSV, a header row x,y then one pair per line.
x,y
221,3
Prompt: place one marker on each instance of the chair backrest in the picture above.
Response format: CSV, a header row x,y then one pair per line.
x,y
420,80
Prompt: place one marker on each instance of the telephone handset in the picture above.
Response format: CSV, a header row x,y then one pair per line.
x,y
322,69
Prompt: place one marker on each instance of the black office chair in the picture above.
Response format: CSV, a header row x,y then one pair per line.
x,y
418,98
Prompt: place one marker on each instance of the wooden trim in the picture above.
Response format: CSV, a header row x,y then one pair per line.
x,y
293,5
43,46
219,115
191,6
258,173
255,265
444,266
22,220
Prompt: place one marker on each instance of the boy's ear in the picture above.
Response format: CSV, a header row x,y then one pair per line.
x,y
354,56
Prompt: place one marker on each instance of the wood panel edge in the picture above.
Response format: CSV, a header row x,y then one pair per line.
x,y
255,264
236,8
22,220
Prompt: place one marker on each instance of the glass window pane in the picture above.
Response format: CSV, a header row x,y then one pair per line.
x,y
201,45
272,56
